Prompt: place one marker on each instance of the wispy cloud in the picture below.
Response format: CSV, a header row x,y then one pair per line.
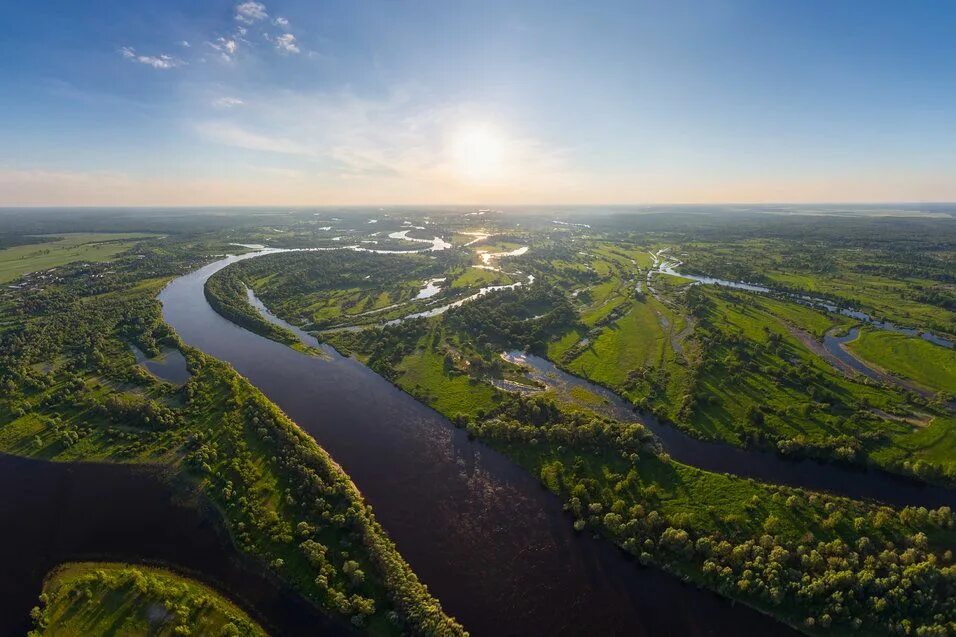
x,y
251,12
281,22
286,43
231,134
226,47
227,102
161,61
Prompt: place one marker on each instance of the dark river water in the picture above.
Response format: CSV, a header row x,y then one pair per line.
x,y
489,541
833,344
57,512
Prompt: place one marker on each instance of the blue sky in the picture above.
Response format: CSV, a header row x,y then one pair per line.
x,y
294,102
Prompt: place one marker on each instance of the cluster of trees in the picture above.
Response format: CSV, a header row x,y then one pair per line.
x,y
524,317
134,410
874,569
384,347
538,420
318,524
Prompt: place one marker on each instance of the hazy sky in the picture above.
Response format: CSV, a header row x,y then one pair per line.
x,y
405,101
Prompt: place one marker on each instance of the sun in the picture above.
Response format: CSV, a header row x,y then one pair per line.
x,y
479,152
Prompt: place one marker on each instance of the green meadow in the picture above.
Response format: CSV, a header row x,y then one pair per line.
x,y
911,357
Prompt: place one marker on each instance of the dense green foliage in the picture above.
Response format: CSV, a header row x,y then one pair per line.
x,y
226,293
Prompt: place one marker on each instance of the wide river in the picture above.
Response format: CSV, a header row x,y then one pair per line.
x,y
489,541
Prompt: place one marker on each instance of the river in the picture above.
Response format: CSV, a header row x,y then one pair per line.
x,y
489,541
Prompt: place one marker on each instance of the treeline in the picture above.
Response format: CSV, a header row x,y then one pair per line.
x,y
878,573
537,420
226,293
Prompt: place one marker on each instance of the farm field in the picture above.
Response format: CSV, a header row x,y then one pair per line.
x,y
63,249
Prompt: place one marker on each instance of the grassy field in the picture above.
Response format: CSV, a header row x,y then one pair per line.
x,y
479,277
749,379
424,374
633,341
908,357
93,247
90,598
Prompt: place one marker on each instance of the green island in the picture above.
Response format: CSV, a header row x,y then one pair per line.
x,y
90,598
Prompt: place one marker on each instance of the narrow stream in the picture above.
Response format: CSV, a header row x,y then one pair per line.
x,y
490,542
834,345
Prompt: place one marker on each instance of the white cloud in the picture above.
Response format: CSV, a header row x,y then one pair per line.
x,y
286,43
227,47
227,102
251,12
161,61
185,44
281,22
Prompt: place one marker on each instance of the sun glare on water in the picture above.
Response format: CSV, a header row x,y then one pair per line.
x,y
479,152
